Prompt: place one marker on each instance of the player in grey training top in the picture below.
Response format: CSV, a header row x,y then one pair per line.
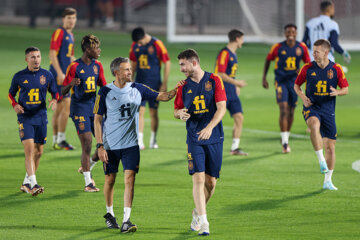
x,y
117,108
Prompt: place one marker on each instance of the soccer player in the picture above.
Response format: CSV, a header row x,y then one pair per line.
x,y
287,56
116,134
201,102
322,76
226,66
323,27
82,77
32,83
146,55
61,55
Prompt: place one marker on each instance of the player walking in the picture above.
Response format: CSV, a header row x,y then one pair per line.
x,y
32,83
201,102
287,56
322,77
61,55
146,55
82,78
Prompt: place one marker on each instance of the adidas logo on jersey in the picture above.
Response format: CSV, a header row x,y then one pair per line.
x,y
82,71
283,52
114,98
313,74
26,81
189,91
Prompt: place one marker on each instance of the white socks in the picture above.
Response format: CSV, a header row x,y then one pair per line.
x,y
285,137
54,139
110,210
87,178
26,179
127,212
203,219
320,155
152,138
141,139
328,175
60,137
235,144
92,164
33,181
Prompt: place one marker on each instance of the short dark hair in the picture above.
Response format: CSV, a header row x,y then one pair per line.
x,y
189,54
115,64
69,11
89,41
137,34
323,42
324,5
233,34
31,49
290,25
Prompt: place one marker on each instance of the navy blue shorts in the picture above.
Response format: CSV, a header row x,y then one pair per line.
x,y
205,158
36,132
327,122
152,103
286,93
234,106
62,96
83,124
130,159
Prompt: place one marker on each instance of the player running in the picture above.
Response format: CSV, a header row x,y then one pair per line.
x,y
201,102
117,134
287,56
226,66
61,55
322,77
82,78
32,83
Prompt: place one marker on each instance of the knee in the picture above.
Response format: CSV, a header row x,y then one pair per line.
x,y
38,153
330,149
210,183
129,180
87,145
238,118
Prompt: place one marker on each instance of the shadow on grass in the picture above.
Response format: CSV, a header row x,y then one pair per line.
x,y
267,204
13,199
173,162
242,159
14,155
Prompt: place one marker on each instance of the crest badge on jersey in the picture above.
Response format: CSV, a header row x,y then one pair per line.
x,y
283,52
151,50
231,59
208,86
42,79
82,126
330,74
191,165
95,68
298,51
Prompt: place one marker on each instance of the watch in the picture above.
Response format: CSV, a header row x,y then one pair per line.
x,y
99,145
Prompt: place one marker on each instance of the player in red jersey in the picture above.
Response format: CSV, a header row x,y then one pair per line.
x,y
322,77
32,84
82,77
287,56
147,53
61,55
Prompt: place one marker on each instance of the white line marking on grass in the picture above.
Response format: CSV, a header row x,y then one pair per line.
x,y
356,165
257,131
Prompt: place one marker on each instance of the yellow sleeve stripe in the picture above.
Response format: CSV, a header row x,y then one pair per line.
x,y
306,64
162,46
223,57
56,35
273,47
342,71
96,106
221,82
68,69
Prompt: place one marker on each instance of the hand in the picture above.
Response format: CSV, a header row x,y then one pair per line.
x,y
19,109
347,57
241,83
183,114
60,79
76,82
52,104
205,133
163,87
307,102
102,153
265,84
333,92
180,83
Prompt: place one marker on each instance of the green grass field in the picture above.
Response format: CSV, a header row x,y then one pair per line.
x,y
266,195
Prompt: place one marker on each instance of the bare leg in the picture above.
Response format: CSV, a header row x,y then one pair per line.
x,y
86,141
316,139
64,114
284,116
154,119
210,184
38,152
129,181
199,192
329,145
141,119
238,125
109,189
29,149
